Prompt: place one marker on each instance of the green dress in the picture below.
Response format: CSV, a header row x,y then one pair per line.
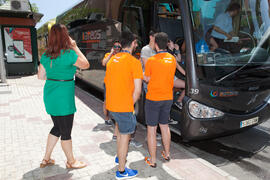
x,y
59,96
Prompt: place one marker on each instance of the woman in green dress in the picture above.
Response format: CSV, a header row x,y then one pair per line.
x,y
58,66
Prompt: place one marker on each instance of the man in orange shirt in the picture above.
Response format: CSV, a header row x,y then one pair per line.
x,y
123,82
159,73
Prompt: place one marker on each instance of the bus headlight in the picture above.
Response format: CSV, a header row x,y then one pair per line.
x,y
198,110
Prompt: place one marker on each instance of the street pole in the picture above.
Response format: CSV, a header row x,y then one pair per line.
x,y
2,63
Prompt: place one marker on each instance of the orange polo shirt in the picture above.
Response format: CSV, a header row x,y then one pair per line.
x,y
121,71
161,70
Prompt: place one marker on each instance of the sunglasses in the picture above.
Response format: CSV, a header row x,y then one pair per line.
x,y
117,47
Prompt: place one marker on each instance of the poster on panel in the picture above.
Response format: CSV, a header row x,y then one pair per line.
x,y
18,45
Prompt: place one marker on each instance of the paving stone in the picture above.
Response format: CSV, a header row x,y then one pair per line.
x,y
25,126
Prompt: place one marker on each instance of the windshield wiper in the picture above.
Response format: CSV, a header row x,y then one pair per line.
x,y
251,58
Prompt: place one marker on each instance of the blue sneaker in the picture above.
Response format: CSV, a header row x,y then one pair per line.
x,y
129,173
116,160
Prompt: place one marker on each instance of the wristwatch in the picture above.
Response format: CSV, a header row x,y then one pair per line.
x,y
177,52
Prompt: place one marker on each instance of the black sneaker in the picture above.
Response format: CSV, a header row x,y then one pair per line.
x,y
108,122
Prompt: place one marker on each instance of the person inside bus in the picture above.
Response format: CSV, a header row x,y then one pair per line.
x,y
178,83
223,30
159,74
58,67
162,11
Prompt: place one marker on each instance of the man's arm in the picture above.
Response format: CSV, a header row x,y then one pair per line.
x,y
217,29
106,59
145,54
137,90
146,74
146,78
144,60
180,69
177,53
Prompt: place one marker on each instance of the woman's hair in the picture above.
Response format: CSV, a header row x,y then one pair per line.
x,y
233,7
58,40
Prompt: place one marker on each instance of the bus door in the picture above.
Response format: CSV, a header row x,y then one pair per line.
x,y
133,21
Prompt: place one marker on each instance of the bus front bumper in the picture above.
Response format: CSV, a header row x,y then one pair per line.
x,y
198,129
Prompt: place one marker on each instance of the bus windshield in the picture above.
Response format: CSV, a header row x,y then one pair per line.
x,y
231,39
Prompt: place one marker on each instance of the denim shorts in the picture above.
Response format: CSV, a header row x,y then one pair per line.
x,y
157,112
126,122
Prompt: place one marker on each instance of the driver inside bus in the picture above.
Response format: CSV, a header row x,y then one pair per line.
x,y
223,30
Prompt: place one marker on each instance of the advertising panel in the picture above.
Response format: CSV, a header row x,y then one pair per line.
x,y
18,45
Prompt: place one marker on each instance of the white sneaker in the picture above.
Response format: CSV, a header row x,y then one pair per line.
x,y
159,143
135,143
159,137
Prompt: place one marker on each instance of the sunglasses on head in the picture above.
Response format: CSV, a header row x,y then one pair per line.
x,y
116,47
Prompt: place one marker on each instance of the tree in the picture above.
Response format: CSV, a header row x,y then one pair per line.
x,y
75,13
3,1
34,7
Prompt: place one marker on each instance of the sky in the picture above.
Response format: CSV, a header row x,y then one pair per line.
x,y
52,8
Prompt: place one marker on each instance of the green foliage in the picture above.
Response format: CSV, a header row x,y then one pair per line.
x,y
43,30
73,14
34,8
3,1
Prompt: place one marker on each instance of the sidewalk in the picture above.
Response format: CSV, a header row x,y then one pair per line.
x,y
24,126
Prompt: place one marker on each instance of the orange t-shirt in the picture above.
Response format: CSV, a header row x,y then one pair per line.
x,y
121,71
161,70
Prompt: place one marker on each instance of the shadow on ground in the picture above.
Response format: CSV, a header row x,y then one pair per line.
x,y
145,171
49,173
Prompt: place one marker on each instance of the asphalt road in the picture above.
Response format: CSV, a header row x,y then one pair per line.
x,y
245,155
